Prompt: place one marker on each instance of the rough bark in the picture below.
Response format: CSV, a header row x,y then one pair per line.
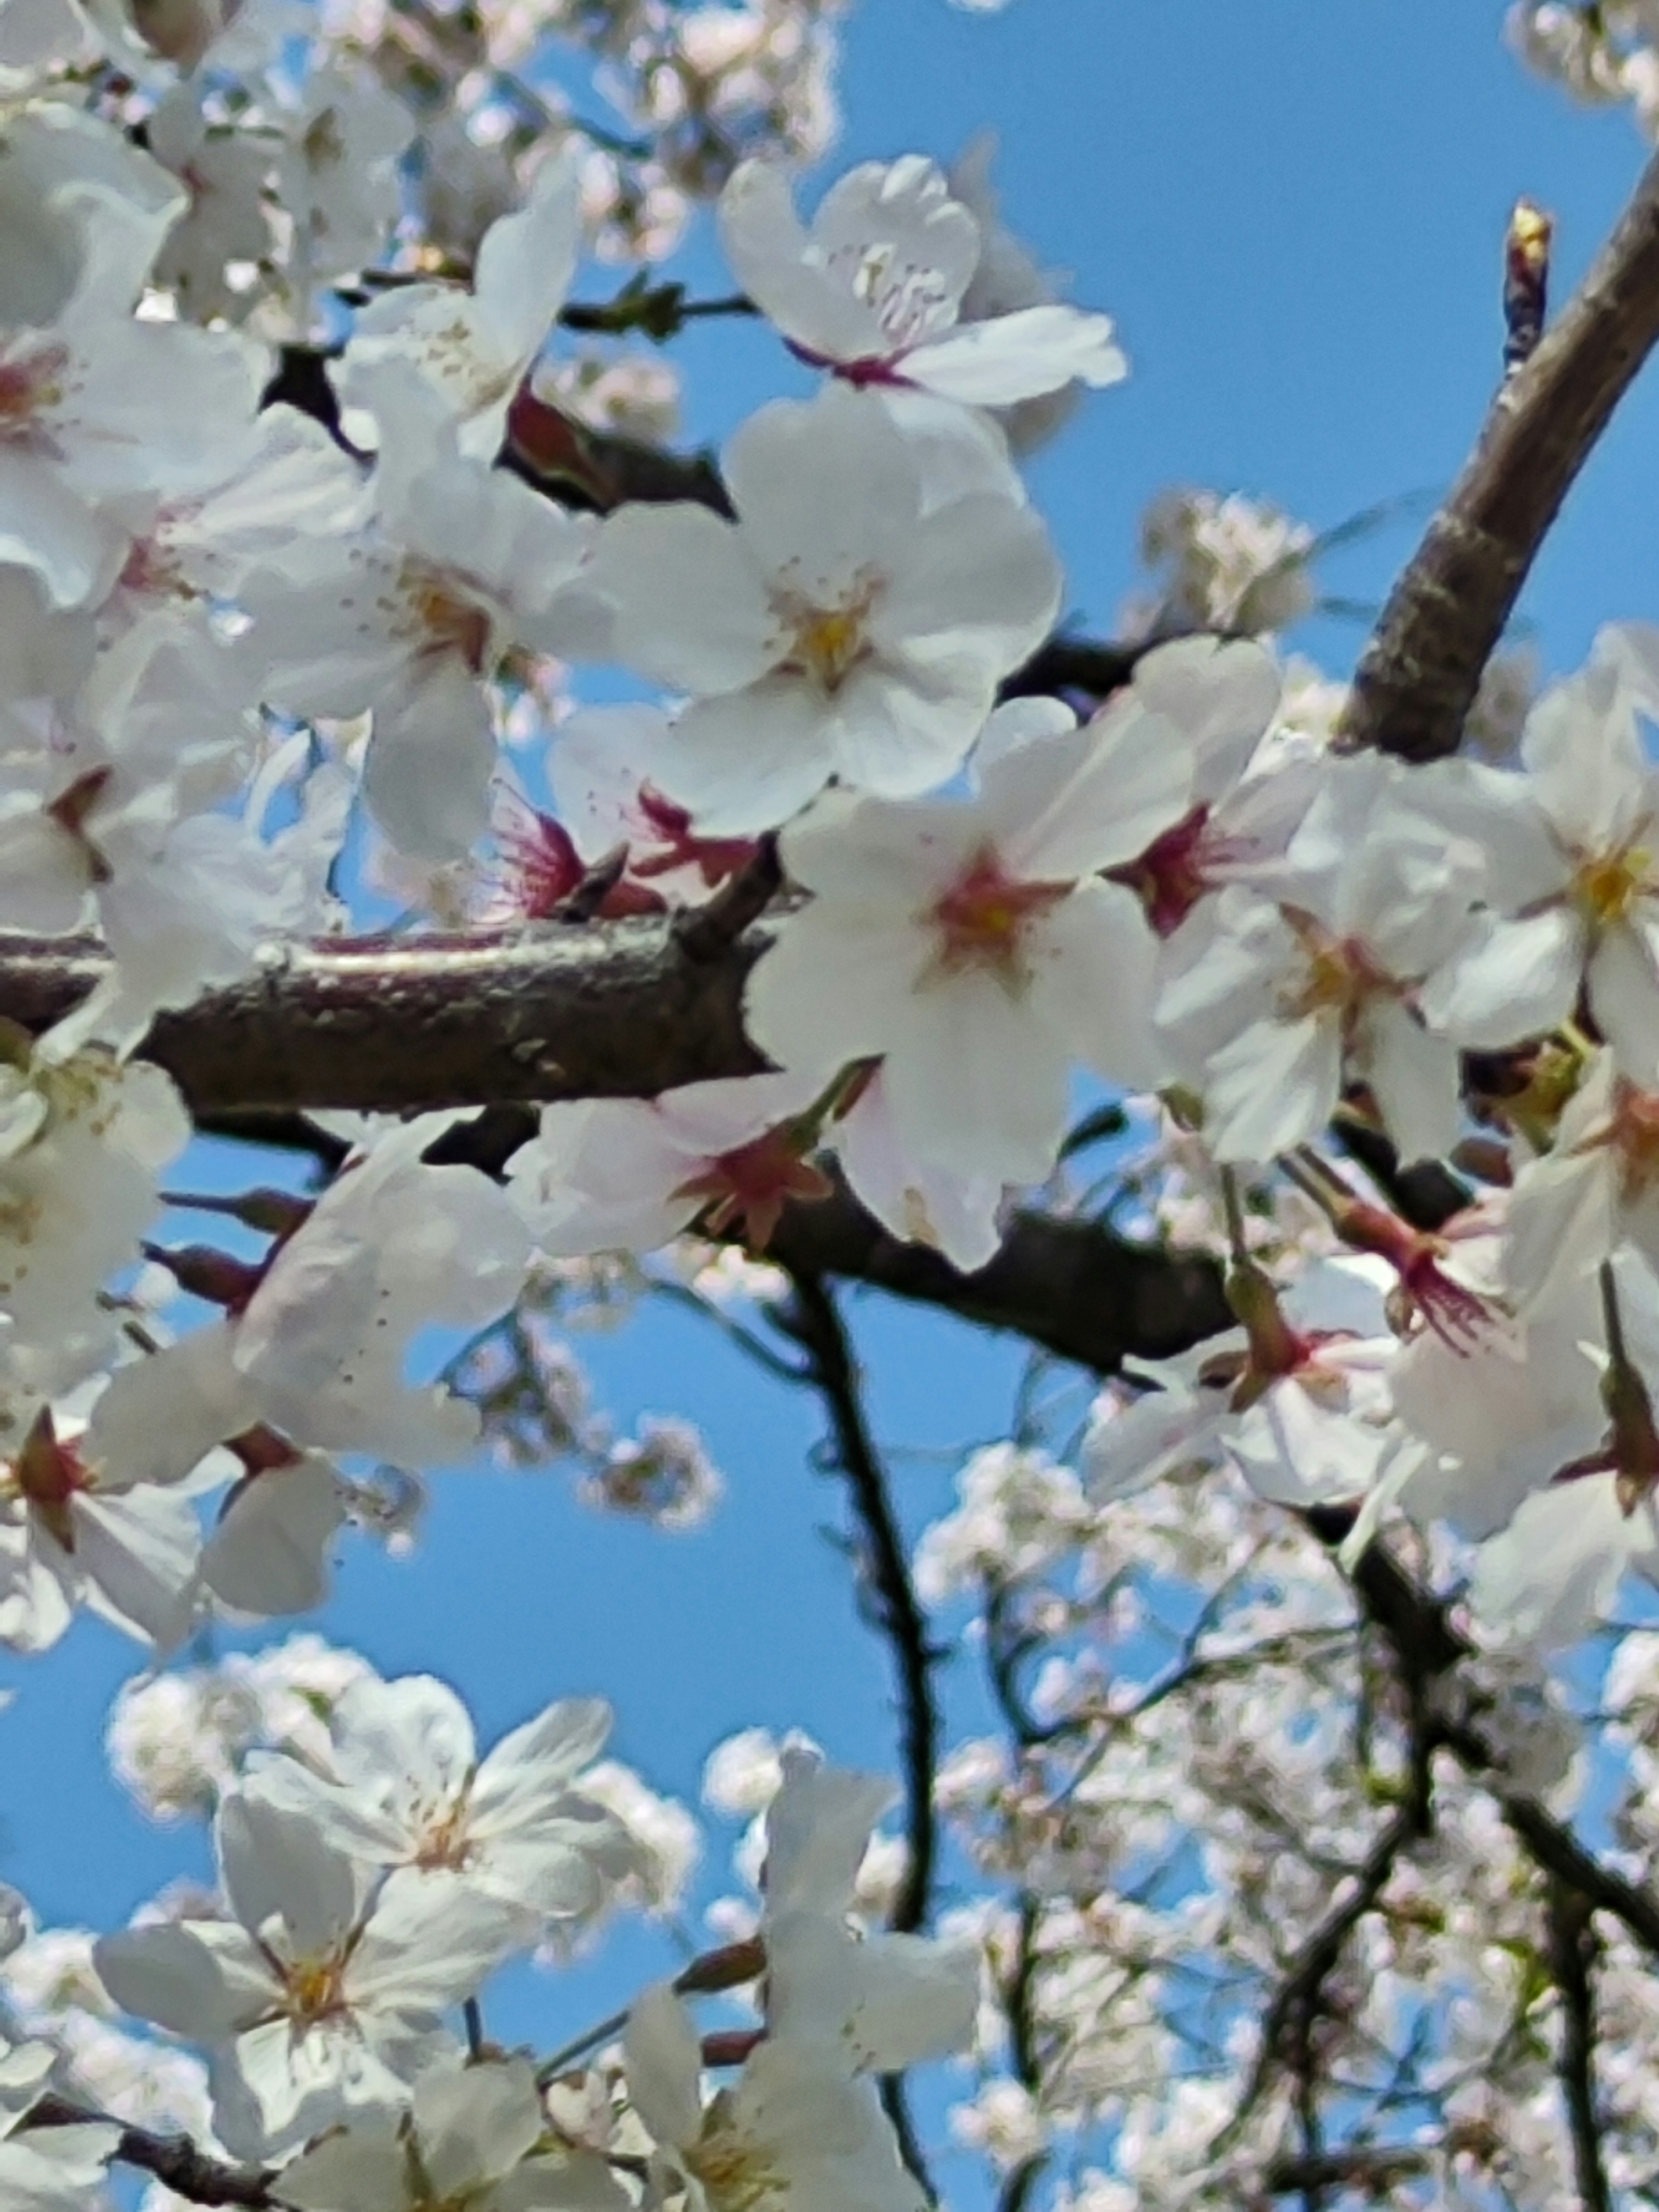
x,y
1419,674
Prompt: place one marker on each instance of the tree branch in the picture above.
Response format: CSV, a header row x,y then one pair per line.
x,y
1417,676
172,2160
398,1024
1572,1949
810,1321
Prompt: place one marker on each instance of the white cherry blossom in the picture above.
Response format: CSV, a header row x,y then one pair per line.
x,y
316,1351
469,2140
627,1175
459,564
840,626
1573,890
45,2169
876,289
475,346
403,1788
314,2001
973,944
797,2130
1269,1001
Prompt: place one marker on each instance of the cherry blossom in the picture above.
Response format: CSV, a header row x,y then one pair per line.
x,y
839,627
314,1348
626,1175
315,2002
403,1788
876,289
796,2128
972,945
470,2138
475,346
45,2169
1571,893
458,565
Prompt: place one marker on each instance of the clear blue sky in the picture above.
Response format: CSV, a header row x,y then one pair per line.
x,y
1296,213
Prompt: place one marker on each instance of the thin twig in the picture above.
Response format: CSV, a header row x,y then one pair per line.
x,y
1572,1953
1297,2002
172,2160
812,1320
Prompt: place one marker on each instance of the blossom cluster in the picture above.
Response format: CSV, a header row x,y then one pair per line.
x,y
303,532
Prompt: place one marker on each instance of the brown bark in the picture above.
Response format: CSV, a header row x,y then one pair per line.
x,y
1417,676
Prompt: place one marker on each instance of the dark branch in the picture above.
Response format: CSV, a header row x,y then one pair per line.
x,y
1418,677
172,2160
609,1009
1572,1950
888,1596
810,1320
1287,2030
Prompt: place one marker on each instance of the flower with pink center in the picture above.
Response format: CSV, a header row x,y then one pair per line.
x,y
875,290
1295,1399
100,404
1270,1004
75,1529
607,1175
972,947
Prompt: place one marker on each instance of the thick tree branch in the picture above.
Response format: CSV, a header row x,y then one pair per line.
x,y
1417,676
610,1009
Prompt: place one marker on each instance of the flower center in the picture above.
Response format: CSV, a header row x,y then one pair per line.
x,y
446,620
27,385
47,1475
444,1840
736,2174
1337,976
1608,886
753,1182
315,1989
984,919
829,645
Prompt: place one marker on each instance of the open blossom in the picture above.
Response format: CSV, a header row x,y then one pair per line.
x,y
878,2003
1299,1405
876,289
474,346
313,2000
96,403
76,1528
469,2140
844,625
45,2169
1269,1002
316,1346
1572,898
1597,1185
608,1175
81,1143
403,1788
797,2130
457,565
972,945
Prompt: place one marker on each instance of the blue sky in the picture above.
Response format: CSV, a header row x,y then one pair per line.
x,y
1296,213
